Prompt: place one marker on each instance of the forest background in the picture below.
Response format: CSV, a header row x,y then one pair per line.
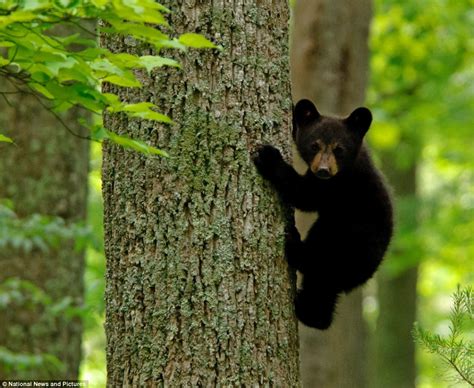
x,y
422,96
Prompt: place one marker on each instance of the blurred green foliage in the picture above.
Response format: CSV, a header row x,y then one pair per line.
x,y
19,363
22,295
422,94
39,231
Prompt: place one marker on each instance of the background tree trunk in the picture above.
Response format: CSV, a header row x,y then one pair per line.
x,y
393,349
394,353
329,65
46,173
198,293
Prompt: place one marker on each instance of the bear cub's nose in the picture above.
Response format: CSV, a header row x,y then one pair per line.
x,y
323,173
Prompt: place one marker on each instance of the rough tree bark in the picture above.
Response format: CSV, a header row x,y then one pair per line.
x,y
329,65
46,173
198,293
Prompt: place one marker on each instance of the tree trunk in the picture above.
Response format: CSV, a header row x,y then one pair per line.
x,y
45,172
393,351
198,292
394,357
329,65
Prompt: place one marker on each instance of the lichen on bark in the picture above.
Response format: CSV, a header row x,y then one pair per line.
x,y
198,293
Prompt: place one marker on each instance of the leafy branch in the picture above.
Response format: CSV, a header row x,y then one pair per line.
x,y
457,348
67,69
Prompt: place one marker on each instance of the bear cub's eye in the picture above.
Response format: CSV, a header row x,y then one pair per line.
x,y
315,147
338,150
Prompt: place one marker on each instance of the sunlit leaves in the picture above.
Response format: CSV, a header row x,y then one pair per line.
x,y
144,111
135,145
41,89
130,82
421,92
196,41
151,62
386,136
418,51
5,139
67,70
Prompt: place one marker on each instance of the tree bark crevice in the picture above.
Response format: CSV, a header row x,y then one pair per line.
x,y
221,310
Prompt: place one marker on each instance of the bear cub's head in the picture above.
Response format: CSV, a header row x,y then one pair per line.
x,y
328,145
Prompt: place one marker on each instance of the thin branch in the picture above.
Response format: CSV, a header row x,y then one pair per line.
x,y
61,121
48,109
59,47
13,35
14,77
17,92
6,100
13,56
78,25
460,372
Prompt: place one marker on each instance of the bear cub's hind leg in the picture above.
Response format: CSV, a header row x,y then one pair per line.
x,y
294,248
315,308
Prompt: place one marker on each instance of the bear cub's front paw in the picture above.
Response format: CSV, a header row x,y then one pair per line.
x,y
266,159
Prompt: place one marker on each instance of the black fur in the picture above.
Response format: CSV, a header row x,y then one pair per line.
x,y
346,244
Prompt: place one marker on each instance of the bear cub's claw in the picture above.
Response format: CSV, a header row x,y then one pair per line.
x,y
266,158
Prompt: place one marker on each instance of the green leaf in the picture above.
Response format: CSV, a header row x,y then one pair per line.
x,y
68,3
150,62
139,31
196,41
99,133
132,11
56,66
151,115
139,107
75,74
5,139
90,54
41,89
143,110
112,100
122,81
124,60
136,145
105,66
17,16
36,4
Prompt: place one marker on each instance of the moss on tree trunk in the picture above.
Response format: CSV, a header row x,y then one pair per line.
x,y
198,293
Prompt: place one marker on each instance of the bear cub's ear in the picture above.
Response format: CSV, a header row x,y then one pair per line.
x,y
305,113
360,120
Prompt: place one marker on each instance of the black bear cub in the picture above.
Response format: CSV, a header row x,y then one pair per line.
x,y
344,246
